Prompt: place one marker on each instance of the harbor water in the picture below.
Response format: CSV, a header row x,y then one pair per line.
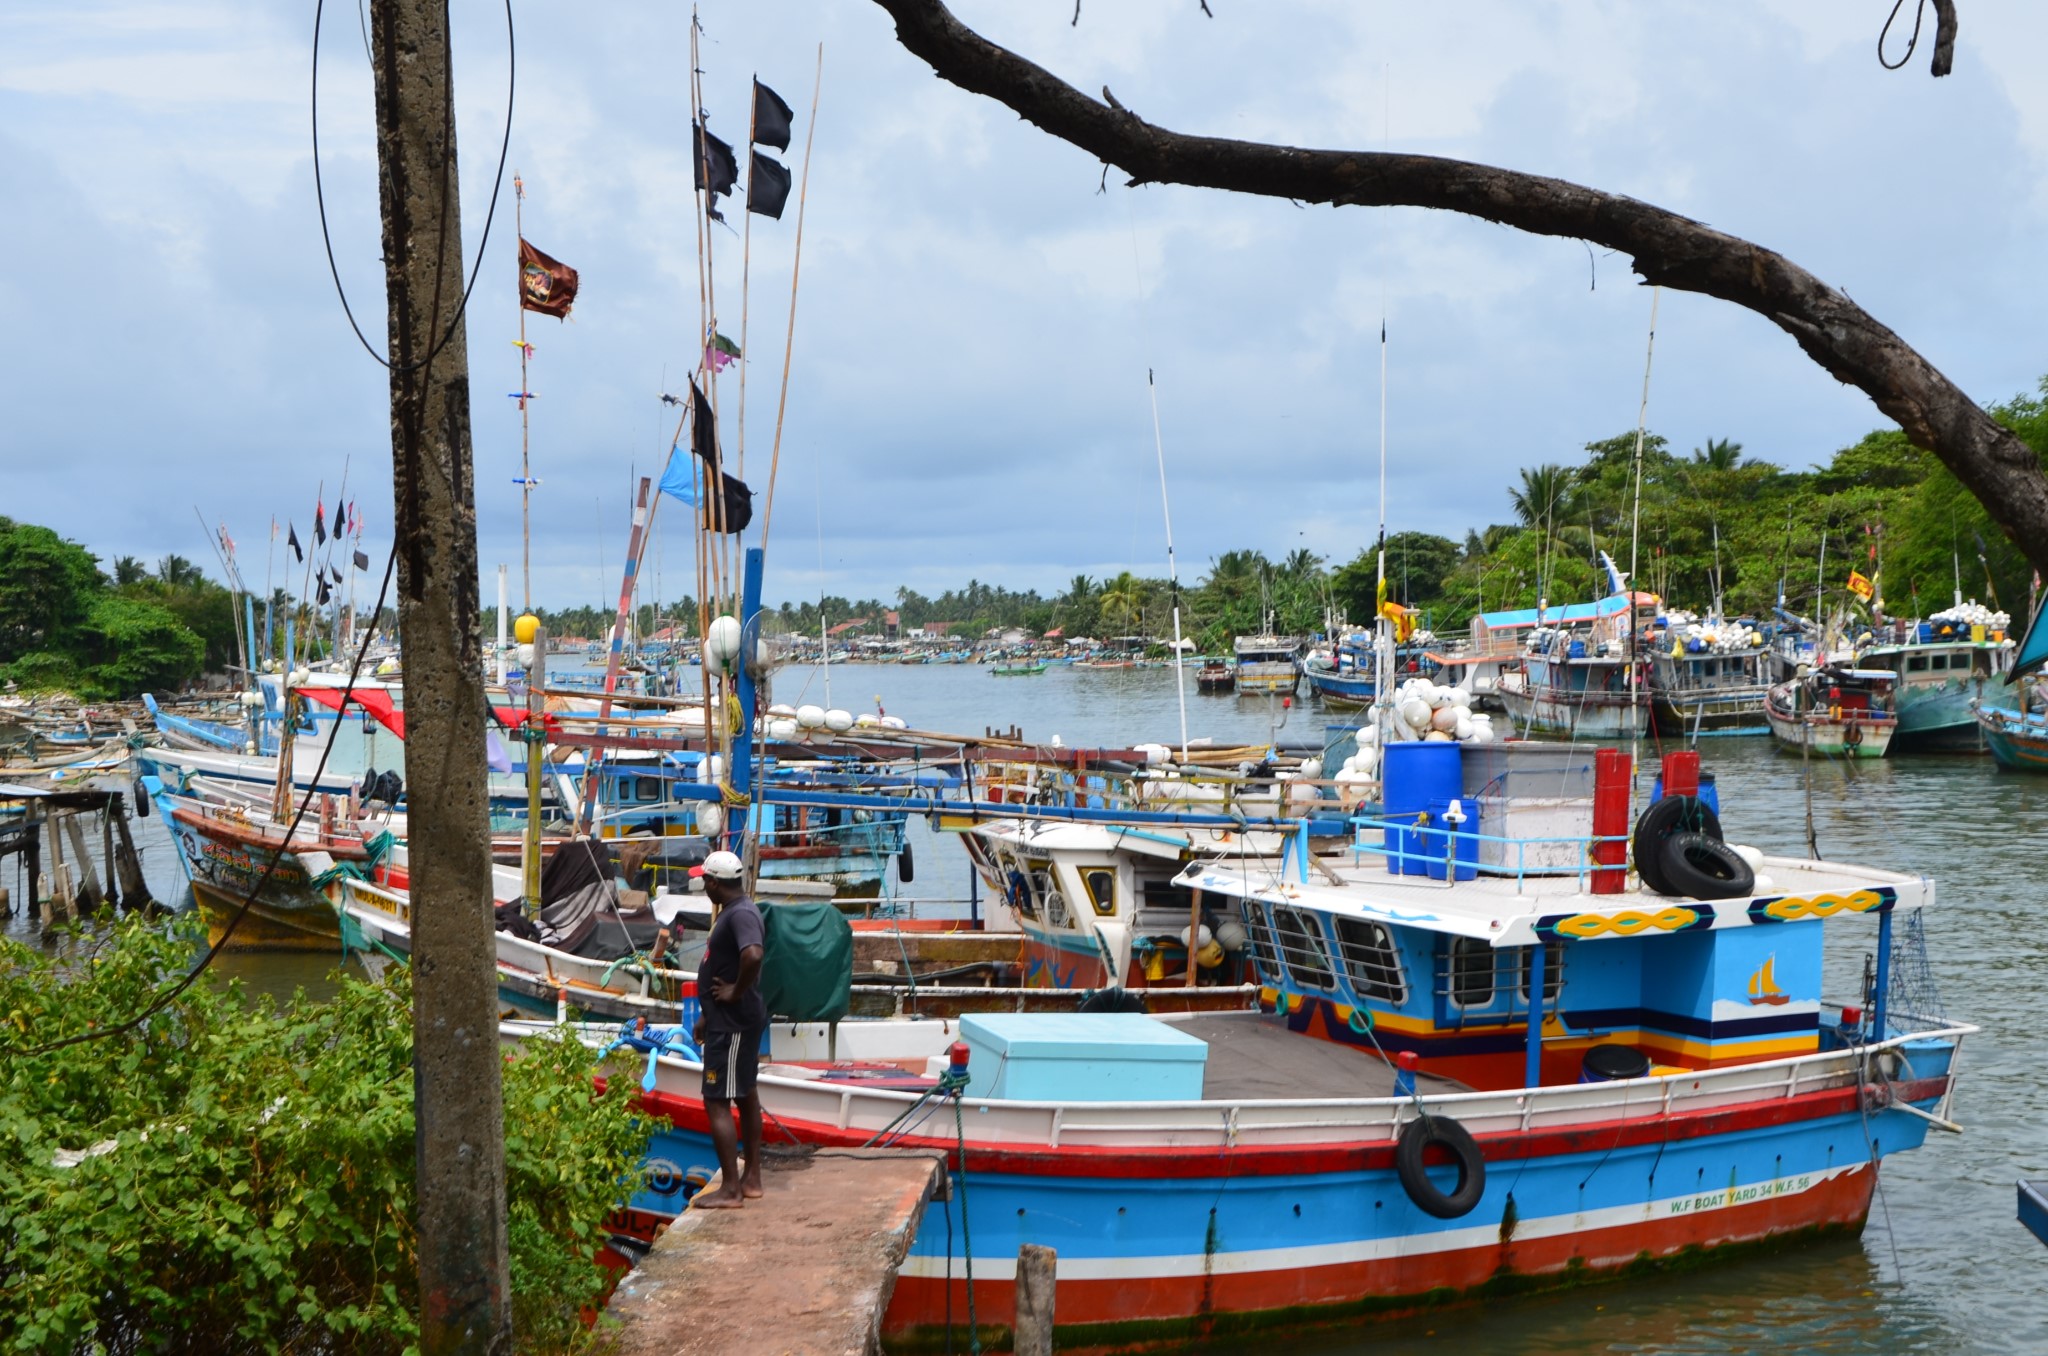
x,y
1943,1266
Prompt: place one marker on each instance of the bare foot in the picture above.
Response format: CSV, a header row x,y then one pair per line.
x,y
721,1199
750,1180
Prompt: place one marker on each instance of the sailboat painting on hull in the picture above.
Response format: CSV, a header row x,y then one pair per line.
x,y
1763,985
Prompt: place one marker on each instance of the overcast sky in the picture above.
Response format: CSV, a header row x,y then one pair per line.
x,y
976,319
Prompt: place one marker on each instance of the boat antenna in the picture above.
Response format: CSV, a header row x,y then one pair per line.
x,y
1955,554
1180,686
1635,530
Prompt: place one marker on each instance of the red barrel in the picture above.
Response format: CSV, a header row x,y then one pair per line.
x,y
1611,770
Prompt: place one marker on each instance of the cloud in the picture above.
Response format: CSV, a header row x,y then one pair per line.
x,y
976,320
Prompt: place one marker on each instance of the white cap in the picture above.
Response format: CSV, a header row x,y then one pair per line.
x,y
722,866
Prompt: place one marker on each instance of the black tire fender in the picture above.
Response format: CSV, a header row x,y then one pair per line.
x,y
1416,1137
906,865
1700,867
1673,814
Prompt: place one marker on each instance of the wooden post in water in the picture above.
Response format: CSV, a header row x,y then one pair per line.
x,y
33,851
110,807
87,874
60,873
1031,1332
464,1285
134,889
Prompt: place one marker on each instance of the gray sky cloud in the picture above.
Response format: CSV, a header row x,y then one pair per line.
x,y
976,319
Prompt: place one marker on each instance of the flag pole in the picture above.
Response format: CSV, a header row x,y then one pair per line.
x,y
746,278
795,273
525,416
701,149
306,575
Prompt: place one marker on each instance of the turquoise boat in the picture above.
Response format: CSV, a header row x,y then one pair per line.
x,y
2017,739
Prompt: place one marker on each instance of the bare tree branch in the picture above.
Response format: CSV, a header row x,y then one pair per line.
x,y
1676,251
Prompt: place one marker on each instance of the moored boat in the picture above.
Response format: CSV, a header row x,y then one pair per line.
x,y
1838,711
1267,664
1711,680
2017,739
1593,1116
1592,685
1943,665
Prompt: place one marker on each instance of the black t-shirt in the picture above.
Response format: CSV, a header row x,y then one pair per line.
x,y
738,927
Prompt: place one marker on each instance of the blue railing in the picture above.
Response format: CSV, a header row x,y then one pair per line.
x,y
1398,831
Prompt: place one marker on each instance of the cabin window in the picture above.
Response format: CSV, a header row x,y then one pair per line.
x,y
649,789
1937,661
1258,934
1371,960
1553,970
1917,663
1101,884
1049,898
1301,947
1471,974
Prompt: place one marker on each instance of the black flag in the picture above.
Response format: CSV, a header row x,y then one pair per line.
x,y
325,593
319,524
340,519
335,570
767,186
736,503
771,118
362,561
713,167
291,539
703,427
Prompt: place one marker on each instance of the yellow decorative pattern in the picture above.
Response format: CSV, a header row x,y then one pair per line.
x,y
1628,924
1793,908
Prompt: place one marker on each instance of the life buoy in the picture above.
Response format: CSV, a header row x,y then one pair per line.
x,y
1456,1140
1852,736
1699,867
1673,814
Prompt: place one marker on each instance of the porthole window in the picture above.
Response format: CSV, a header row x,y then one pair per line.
x,y
1471,977
1302,949
1371,960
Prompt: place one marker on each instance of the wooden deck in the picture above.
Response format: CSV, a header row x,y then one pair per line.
x,y
805,1271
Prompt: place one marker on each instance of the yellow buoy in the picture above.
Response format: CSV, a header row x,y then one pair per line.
x,y
526,628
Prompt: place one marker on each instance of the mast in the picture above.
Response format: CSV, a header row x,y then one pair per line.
x,y
525,416
1180,687
1635,529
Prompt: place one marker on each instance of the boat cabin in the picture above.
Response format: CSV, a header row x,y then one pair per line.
x,y
1507,981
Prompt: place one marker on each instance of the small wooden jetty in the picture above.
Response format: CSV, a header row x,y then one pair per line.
x,y
59,819
805,1271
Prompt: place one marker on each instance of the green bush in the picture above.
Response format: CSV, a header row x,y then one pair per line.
x,y
248,1184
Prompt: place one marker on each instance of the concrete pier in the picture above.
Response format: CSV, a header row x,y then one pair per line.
x,y
807,1270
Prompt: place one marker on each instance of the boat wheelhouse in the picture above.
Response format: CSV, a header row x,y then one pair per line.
x,y
1700,688
1938,679
1268,664
1838,710
1592,685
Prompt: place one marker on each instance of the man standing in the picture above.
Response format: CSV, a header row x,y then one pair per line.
x,y
729,1030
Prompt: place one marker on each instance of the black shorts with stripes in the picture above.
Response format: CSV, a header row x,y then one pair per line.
x,y
731,1060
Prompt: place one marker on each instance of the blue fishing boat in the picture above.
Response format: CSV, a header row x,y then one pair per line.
x,y
2017,739
1462,1083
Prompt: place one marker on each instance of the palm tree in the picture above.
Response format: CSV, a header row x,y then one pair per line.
x,y
1236,573
178,572
1301,563
129,570
1123,599
1718,455
1081,589
1546,496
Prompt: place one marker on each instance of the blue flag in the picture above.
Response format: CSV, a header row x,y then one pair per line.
x,y
2033,654
680,478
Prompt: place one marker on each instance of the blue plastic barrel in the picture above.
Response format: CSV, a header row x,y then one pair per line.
x,y
1412,776
1707,791
1441,840
1577,649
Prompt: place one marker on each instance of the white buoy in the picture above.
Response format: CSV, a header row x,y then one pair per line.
x,y
838,721
782,728
722,641
1444,719
710,819
895,723
782,709
1753,856
1415,713
1312,768
810,717
1438,736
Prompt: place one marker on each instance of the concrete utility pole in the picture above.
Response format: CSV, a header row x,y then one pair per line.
x,y
465,1299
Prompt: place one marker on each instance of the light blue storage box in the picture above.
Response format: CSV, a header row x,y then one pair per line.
x,y
1081,1057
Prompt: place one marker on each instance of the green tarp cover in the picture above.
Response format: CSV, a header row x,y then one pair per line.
x,y
806,962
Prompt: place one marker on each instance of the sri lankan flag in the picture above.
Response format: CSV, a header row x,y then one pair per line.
x,y
1860,586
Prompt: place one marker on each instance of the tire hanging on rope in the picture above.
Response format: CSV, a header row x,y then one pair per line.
x,y
1453,1138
